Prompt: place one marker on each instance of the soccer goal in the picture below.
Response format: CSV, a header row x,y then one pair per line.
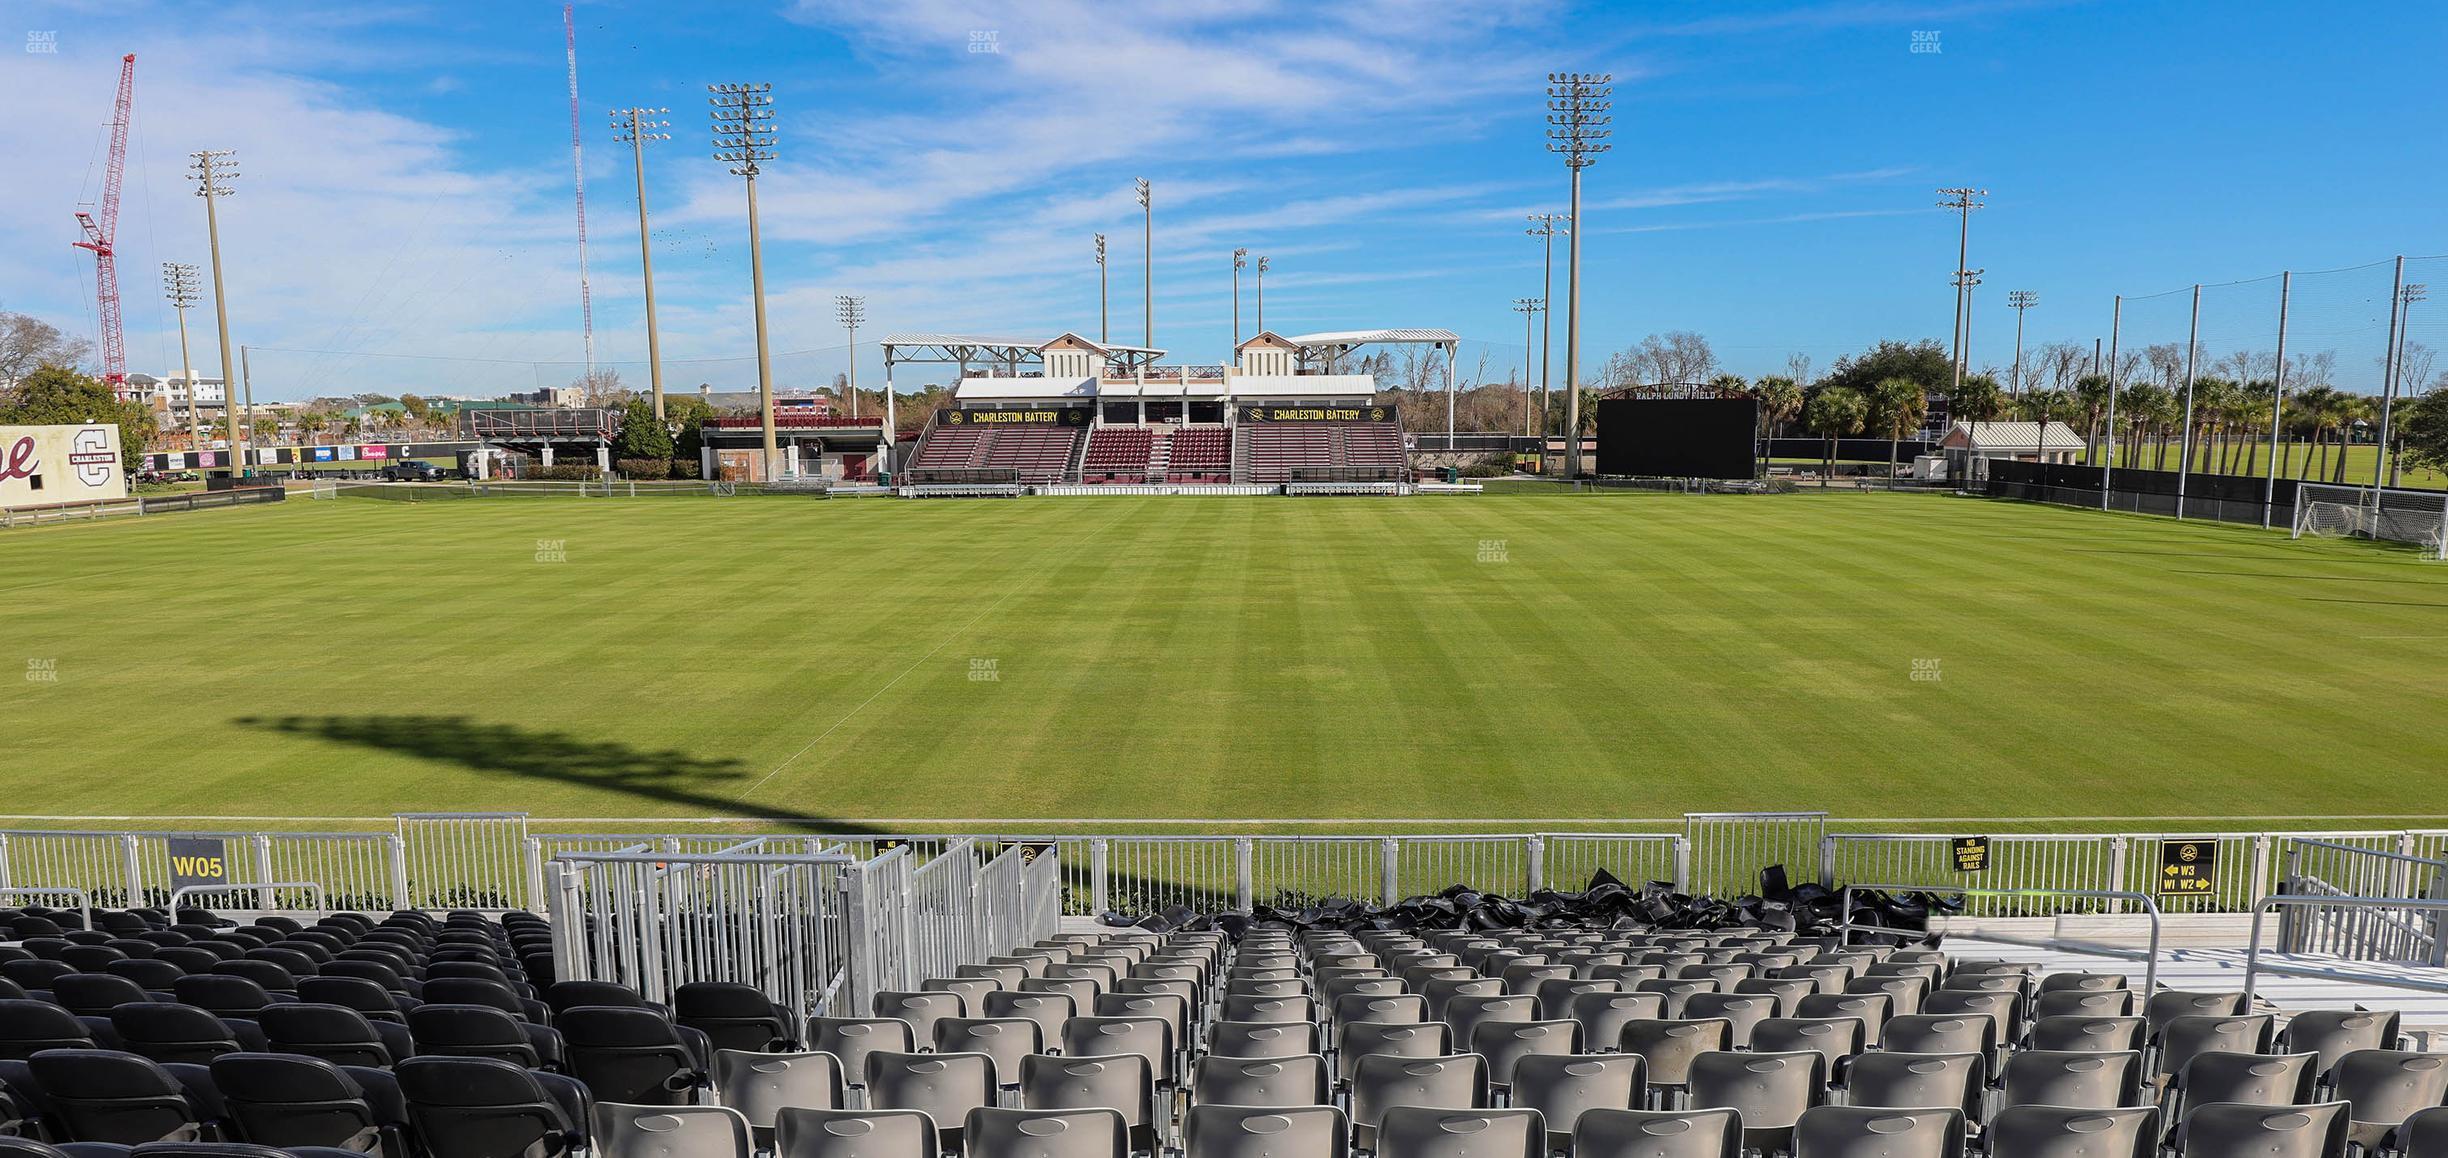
x,y
2403,516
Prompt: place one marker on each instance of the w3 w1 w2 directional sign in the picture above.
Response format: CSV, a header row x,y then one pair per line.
x,y
2188,868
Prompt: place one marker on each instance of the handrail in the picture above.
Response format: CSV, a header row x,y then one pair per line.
x,y
2252,947
706,858
313,889
2150,907
2298,843
83,899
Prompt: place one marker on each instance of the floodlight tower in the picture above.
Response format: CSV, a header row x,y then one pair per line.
x,y
743,123
2407,295
1545,226
1147,260
1240,262
212,172
1263,262
1529,309
634,127
1102,316
852,310
179,285
1963,200
1577,120
2021,300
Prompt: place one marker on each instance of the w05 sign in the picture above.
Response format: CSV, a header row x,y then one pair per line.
x,y
197,860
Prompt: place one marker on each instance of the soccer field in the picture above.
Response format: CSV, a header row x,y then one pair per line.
x,y
1503,657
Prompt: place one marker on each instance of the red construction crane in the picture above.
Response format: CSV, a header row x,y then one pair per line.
x,y
98,236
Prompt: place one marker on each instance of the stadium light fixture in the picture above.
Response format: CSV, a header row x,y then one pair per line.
x,y
1102,317
1545,227
212,172
743,124
1963,200
1578,107
179,285
1240,262
1530,309
2403,301
2021,300
1263,263
1147,260
852,310
634,127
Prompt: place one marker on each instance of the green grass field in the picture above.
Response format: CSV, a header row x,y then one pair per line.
x,y
1505,657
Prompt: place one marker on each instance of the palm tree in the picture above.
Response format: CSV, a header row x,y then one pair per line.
x,y
2091,397
1780,402
1895,404
2351,409
1833,414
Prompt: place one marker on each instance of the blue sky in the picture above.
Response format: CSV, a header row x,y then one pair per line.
x,y
406,173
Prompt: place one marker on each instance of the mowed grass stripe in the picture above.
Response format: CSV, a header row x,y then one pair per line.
x,y
1631,655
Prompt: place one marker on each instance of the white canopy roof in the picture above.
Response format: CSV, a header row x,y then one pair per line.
x,y
1374,337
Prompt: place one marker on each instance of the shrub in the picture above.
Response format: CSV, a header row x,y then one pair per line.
x,y
643,468
563,472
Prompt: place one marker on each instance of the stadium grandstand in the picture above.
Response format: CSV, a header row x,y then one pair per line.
x,y
1069,412
925,997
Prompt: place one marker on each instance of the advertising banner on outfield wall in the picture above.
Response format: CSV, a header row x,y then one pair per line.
x,y
60,464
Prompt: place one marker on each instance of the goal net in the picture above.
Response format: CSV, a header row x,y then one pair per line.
x,y
2402,516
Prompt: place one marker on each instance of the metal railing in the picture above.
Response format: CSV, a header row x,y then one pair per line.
x,y
2252,947
2333,869
2150,908
83,899
494,861
655,921
266,895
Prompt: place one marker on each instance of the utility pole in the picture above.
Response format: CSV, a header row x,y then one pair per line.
x,y
1530,309
1963,200
1147,261
2021,300
635,127
1262,268
212,171
1577,120
852,310
1103,337
179,285
1545,226
1240,261
743,124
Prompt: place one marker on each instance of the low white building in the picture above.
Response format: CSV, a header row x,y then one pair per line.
x,y
1969,445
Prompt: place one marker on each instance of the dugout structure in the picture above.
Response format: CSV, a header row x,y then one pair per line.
x,y
1686,437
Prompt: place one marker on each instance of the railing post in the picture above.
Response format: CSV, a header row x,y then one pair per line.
x,y
398,847
569,932
6,879
2116,871
1682,862
2259,886
132,861
1389,870
1534,849
1827,860
264,899
531,854
1100,866
1244,888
